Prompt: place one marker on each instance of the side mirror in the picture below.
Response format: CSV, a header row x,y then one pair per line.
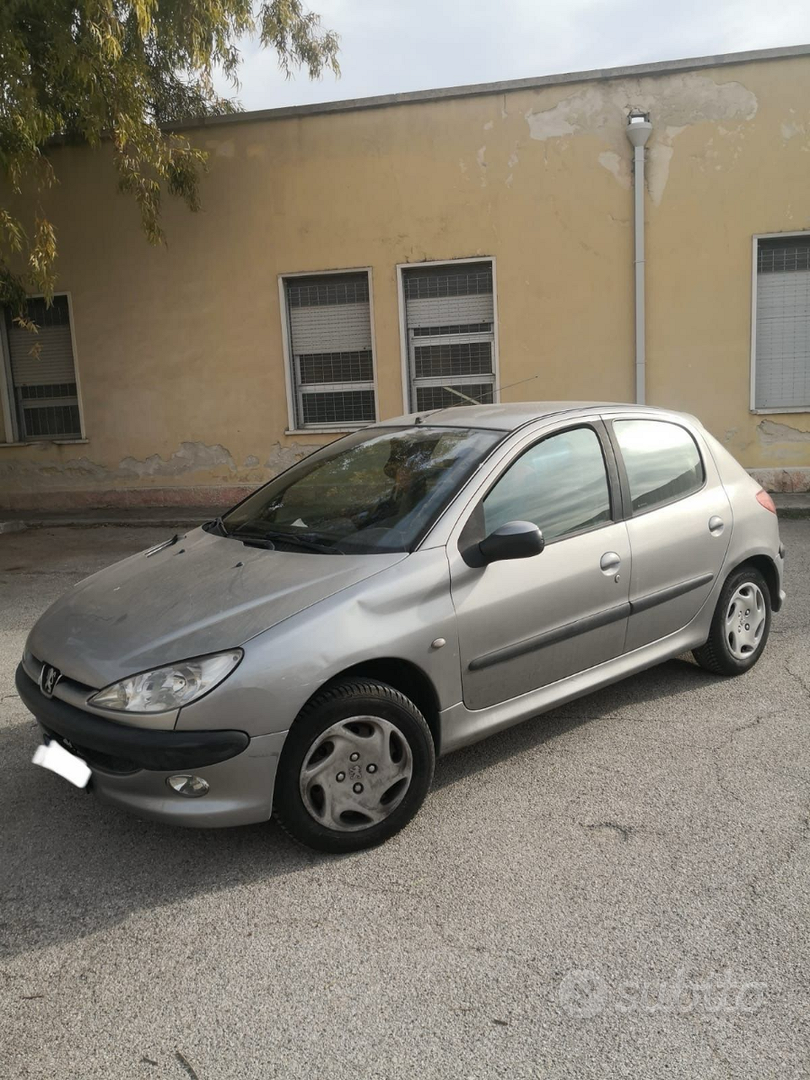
x,y
514,540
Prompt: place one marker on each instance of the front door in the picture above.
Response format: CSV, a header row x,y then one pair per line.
x,y
525,623
679,525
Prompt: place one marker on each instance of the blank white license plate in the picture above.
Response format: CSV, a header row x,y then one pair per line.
x,y
54,757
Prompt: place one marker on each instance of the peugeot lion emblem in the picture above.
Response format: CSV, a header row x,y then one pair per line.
x,y
48,678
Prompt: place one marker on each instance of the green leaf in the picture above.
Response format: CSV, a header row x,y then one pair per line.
x,y
82,70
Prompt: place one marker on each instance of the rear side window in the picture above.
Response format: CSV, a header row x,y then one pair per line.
x,y
662,461
560,485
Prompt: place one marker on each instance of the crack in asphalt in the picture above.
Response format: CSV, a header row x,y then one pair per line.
x,y
722,785
186,1065
624,831
800,679
780,864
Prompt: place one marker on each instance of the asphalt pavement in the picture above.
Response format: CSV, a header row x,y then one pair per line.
x,y
616,889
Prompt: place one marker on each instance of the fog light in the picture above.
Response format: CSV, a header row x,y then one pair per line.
x,y
190,786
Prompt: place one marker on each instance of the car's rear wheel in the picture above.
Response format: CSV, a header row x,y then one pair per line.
x,y
741,624
355,768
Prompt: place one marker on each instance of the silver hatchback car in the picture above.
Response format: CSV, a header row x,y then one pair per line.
x,y
406,590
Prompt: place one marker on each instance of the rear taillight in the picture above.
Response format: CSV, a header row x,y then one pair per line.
x,y
764,499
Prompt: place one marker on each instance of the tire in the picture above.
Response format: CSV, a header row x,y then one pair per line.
x,y
355,767
737,640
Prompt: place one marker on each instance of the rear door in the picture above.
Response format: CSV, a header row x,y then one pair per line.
x,y
525,623
678,519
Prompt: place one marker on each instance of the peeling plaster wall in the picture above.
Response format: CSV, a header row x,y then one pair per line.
x,y
208,473
772,433
179,347
677,101
213,462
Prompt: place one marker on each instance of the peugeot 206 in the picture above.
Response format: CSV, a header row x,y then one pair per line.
x,y
402,592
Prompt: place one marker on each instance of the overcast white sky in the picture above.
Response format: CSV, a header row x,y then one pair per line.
x,y
389,46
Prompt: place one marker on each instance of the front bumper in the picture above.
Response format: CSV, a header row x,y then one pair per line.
x,y
130,765
241,790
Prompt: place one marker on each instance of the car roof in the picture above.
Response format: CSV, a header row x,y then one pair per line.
x,y
509,416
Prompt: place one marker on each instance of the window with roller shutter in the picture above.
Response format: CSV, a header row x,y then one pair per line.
x,y
450,328
43,373
330,347
782,324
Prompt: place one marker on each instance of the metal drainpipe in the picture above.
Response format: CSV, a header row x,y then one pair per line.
x,y
639,129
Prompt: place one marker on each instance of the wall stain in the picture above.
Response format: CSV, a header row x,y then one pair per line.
x,y
617,166
792,127
221,147
511,163
480,157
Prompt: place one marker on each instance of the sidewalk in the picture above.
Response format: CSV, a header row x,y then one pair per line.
x,y
792,504
789,505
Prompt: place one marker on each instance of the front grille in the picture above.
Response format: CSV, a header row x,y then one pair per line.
x,y
106,762
33,668
95,759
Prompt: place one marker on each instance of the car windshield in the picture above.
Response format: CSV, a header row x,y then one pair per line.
x,y
374,491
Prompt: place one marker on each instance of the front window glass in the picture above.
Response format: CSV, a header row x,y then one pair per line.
x,y
560,485
376,490
661,459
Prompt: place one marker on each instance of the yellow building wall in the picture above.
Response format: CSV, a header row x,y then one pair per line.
x,y
179,348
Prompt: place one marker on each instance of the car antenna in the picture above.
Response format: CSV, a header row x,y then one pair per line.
x,y
473,401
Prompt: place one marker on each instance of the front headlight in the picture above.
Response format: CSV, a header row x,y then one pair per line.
x,y
167,688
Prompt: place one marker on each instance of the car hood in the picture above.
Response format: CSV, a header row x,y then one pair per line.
x,y
199,595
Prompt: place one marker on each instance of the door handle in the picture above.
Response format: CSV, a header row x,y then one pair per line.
x,y
610,563
716,525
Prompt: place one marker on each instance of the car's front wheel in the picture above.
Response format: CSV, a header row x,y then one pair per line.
x,y
741,624
355,768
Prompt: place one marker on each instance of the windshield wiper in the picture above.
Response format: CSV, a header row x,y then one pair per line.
x,y
267,538
216,526
257,541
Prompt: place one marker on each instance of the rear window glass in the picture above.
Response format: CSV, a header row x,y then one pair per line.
x,y
662,461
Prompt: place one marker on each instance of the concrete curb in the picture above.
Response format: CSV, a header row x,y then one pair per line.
x,y
792,504
793,513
